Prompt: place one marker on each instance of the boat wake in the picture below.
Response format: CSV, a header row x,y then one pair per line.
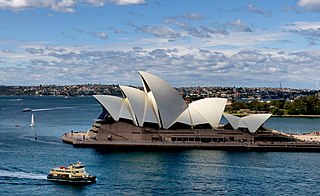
x,y
39,140
49,109
23,175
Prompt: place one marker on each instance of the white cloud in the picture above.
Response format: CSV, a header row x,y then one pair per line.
x,y
71,65
57,5
61,5
295,9
193,16
118,2
129,2
313,5
240,26
101,35
207,31
194,31
160,31
303,25
14,3
255,9
311,30
96,2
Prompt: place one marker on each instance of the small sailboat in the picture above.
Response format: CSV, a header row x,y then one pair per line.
x,y
32,121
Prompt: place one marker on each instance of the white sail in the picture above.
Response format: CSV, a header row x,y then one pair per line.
x,y
32,121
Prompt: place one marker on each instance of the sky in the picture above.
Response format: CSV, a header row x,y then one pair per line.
x,y
254,43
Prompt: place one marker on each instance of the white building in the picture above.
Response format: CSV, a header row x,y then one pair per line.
x,y
160,104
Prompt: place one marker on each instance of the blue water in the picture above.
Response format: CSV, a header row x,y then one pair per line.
x,y
25,162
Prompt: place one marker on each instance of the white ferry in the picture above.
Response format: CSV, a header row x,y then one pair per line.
x,y
73,174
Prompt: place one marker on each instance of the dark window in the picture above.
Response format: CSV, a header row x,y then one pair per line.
x,y
151,125
205,140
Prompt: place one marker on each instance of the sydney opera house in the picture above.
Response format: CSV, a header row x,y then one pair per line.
x,y
158,116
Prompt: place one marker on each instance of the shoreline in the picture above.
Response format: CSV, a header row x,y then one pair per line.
x,y
298,116
287,115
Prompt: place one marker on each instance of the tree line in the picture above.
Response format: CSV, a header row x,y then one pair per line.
x,y
309,105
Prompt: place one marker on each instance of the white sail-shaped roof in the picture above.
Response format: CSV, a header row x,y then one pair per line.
x,y
185,117
169,102
137,102
233,120
116,106
112,104
141,105
191,117
203,111
151,107
242,124
126,111
210,109
252,122
196,117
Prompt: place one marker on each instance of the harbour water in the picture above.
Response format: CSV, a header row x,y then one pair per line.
x,y
28,153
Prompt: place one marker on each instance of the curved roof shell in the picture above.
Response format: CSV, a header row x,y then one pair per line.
x,y
136,99
140,104
233,120
252,122
169,101
208,110
112,104
126,111
151,108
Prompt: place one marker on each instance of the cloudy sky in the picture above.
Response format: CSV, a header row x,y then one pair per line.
x,y
186,42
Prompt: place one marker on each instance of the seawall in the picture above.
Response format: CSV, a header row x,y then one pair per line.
x,y
234,146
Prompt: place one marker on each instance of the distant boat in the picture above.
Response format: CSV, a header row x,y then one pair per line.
x,y
26,109
32,121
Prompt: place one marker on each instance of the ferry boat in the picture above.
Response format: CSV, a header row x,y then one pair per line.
x,y
26,109
73,174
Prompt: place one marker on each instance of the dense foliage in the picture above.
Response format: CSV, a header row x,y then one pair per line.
x,y
304,105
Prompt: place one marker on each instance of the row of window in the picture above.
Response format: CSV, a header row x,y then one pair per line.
x,y
66,171
196,139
